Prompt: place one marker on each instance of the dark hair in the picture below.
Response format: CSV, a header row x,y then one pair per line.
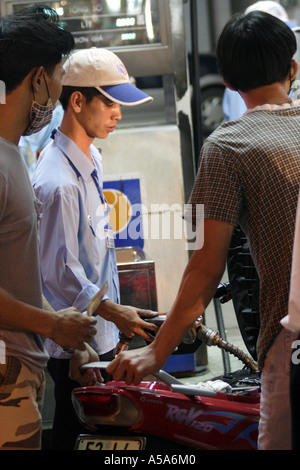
x,y
88,93
32,37
255,50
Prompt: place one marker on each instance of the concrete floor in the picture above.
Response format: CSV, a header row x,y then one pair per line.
x,y
215,363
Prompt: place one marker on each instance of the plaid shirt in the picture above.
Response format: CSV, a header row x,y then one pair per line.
x,y
249,175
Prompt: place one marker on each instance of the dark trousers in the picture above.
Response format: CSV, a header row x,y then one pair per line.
x,y
66,426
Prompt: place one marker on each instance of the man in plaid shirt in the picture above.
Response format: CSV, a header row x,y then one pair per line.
x,y
249,175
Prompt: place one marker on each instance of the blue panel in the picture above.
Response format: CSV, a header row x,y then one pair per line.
x,y
128,229
180,363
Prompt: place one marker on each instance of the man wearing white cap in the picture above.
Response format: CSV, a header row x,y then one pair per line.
x,y
273,8
76,242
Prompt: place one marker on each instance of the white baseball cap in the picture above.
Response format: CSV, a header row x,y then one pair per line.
x,y
102,69
273,8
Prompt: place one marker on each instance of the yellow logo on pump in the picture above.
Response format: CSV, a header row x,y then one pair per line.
x,y
119,203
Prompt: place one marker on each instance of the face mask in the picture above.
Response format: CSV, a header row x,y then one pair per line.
x,y
40,116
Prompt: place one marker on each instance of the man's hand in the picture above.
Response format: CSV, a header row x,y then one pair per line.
x,y
132,366
72,329
90,376
128,319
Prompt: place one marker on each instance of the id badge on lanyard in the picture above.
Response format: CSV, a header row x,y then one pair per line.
x,y
109,237
108,231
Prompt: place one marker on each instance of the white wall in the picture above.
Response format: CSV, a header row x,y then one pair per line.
x,y
152,154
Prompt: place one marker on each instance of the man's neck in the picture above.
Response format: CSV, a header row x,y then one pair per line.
x,y
70,128
14,116
277,93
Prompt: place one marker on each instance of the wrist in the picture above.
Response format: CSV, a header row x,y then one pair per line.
x,y
107,309
45,323
53,325
158,352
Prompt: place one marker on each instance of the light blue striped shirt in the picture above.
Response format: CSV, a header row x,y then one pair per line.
x,y
75,258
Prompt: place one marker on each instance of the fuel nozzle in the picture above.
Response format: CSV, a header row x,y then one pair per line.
x,y
122,345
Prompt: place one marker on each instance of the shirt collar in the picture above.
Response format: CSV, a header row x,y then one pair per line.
x,y
274,107
80,161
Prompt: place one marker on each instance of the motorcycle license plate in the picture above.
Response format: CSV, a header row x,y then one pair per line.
x,y
89,442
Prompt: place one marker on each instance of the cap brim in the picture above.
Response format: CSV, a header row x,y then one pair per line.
x,y
125,94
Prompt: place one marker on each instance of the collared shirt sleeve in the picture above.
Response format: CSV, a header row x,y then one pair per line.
x,y
64,278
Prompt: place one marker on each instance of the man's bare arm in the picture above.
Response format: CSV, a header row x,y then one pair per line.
x,y
69,328
198,285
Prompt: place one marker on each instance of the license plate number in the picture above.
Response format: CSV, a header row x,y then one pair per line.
x,y
109,443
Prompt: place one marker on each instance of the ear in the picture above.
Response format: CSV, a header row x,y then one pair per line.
x,y
294,69
76,101
36,79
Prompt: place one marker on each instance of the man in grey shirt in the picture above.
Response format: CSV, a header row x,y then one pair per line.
x,y
32,43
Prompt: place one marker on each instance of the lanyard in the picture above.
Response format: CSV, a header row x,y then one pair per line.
x,y
94,175
109,235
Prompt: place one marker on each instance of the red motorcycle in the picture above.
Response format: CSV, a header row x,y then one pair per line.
x,y
162,413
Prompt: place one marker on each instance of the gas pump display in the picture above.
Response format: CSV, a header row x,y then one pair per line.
x,y
107,23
